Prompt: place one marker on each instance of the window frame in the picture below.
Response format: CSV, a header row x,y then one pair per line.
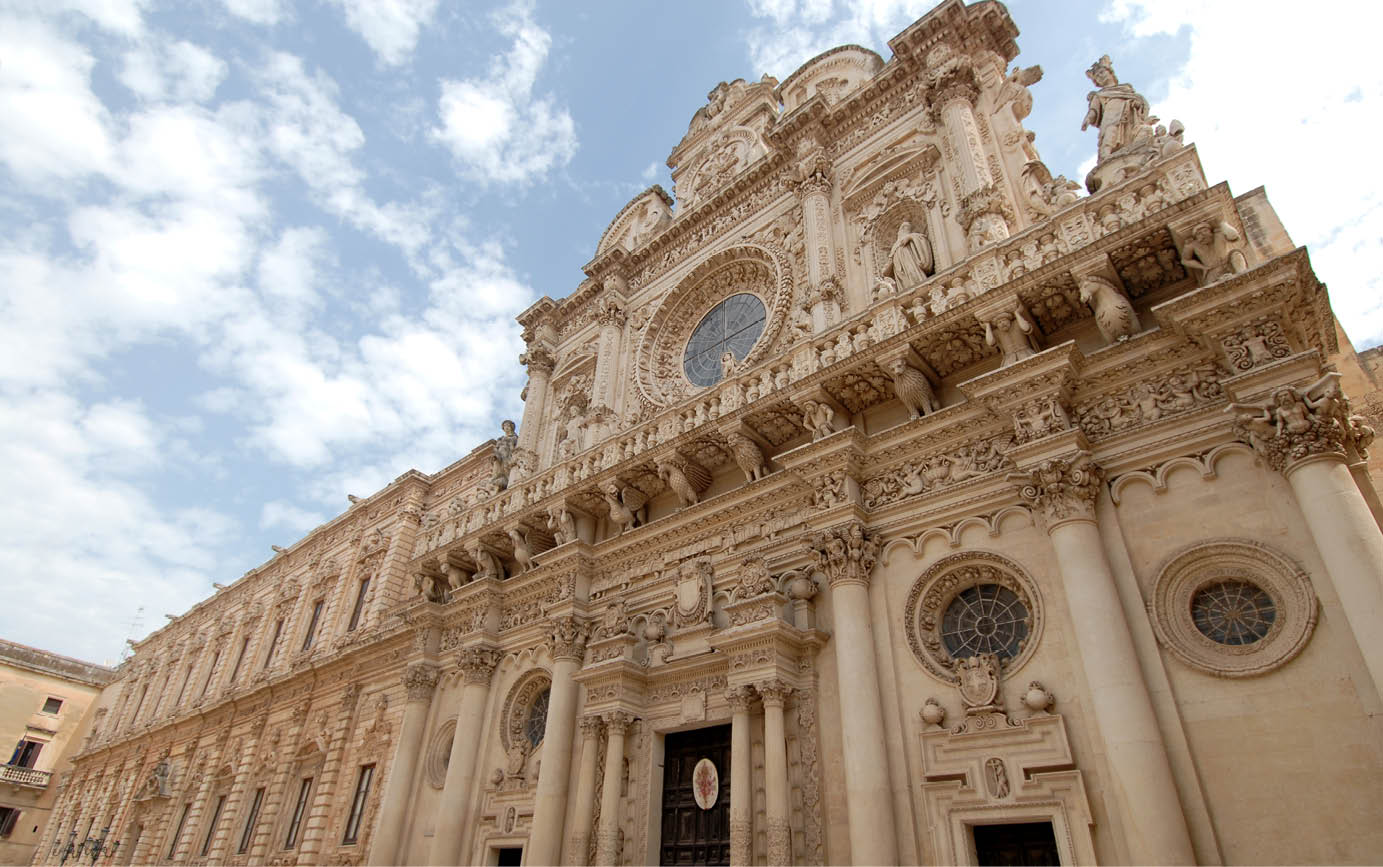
x,y
211,828
295,825
247,835
177,834
364,587
309,638
57,710
362,794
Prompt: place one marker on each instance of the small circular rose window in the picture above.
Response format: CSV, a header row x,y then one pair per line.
x,y
536,722
733,326
986,618
1233,612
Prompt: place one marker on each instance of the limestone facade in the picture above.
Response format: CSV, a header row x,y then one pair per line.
x,y
45,704
937,496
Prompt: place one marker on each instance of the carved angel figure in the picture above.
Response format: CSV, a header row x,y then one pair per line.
x,y
910,259
1012,333
913,388
748,456
1119,111
687,479
1296,422
627,505
1015,90
1208,253
819,418
1114,313
523,551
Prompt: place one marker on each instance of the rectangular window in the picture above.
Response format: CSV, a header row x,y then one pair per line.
x,y
298,813
177,835
211,829
273,642
52,705
26,753
8,816
248,835
312,624
359,604
362,791
206,684
182,689
139,705
244,646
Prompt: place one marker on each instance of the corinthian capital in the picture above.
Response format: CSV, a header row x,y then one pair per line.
x,y
567,637
420,678
846,554
477,663
618,721
538,358
1299,424
1064,489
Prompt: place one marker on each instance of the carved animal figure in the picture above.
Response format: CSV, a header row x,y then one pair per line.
x,y
1114,314
562,525
748,457
627,505
912,388
486,564
686,479
819,419
523,551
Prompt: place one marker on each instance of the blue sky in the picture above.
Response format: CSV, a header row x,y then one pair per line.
x,y
256,255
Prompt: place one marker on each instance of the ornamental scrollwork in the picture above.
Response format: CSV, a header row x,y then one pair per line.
x,y
1063,489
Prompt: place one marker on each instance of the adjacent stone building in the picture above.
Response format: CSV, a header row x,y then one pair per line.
x,y
44,699
878,499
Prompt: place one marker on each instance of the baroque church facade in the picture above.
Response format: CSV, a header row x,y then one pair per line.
x,y
888,500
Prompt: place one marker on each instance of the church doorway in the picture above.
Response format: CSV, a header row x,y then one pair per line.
x,y
1028,844
693,833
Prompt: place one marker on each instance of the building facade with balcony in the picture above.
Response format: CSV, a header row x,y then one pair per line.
x,y
44,703
879,498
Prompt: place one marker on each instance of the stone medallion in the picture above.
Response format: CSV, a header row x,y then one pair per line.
x,y
705,784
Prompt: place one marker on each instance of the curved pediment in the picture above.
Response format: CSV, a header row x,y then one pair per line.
x,y
641,219
833,75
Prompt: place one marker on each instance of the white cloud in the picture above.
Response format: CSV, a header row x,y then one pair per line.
x,y
180,72
256,11
794,31
296,520
650,172
1304,129
389,27
495,126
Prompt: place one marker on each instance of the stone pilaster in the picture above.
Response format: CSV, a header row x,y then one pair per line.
x,y
314,826
540,363
419,683
1062,490
476,664
846,555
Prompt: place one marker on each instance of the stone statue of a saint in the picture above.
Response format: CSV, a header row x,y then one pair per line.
x,y
910,260
1119,111
502,458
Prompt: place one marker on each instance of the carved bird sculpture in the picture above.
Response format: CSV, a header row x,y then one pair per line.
x,y
748,456
687,479
353,498
626,505
1114,314
523,551
912,388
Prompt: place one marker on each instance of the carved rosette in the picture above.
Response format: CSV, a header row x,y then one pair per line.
x,y
1063,489
846,553
567,638
420,679
477,663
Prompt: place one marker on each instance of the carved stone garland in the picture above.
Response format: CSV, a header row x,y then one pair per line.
x,y
943,581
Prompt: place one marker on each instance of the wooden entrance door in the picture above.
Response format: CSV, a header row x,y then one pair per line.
x,y
692,835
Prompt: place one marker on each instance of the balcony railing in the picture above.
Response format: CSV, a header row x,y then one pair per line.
x,y
23,776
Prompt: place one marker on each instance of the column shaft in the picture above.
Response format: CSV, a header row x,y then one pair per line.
x,y
550,803
579,842
477,664
868,800
776,775
1142,775
607,839
419,681
1351,545
741,780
